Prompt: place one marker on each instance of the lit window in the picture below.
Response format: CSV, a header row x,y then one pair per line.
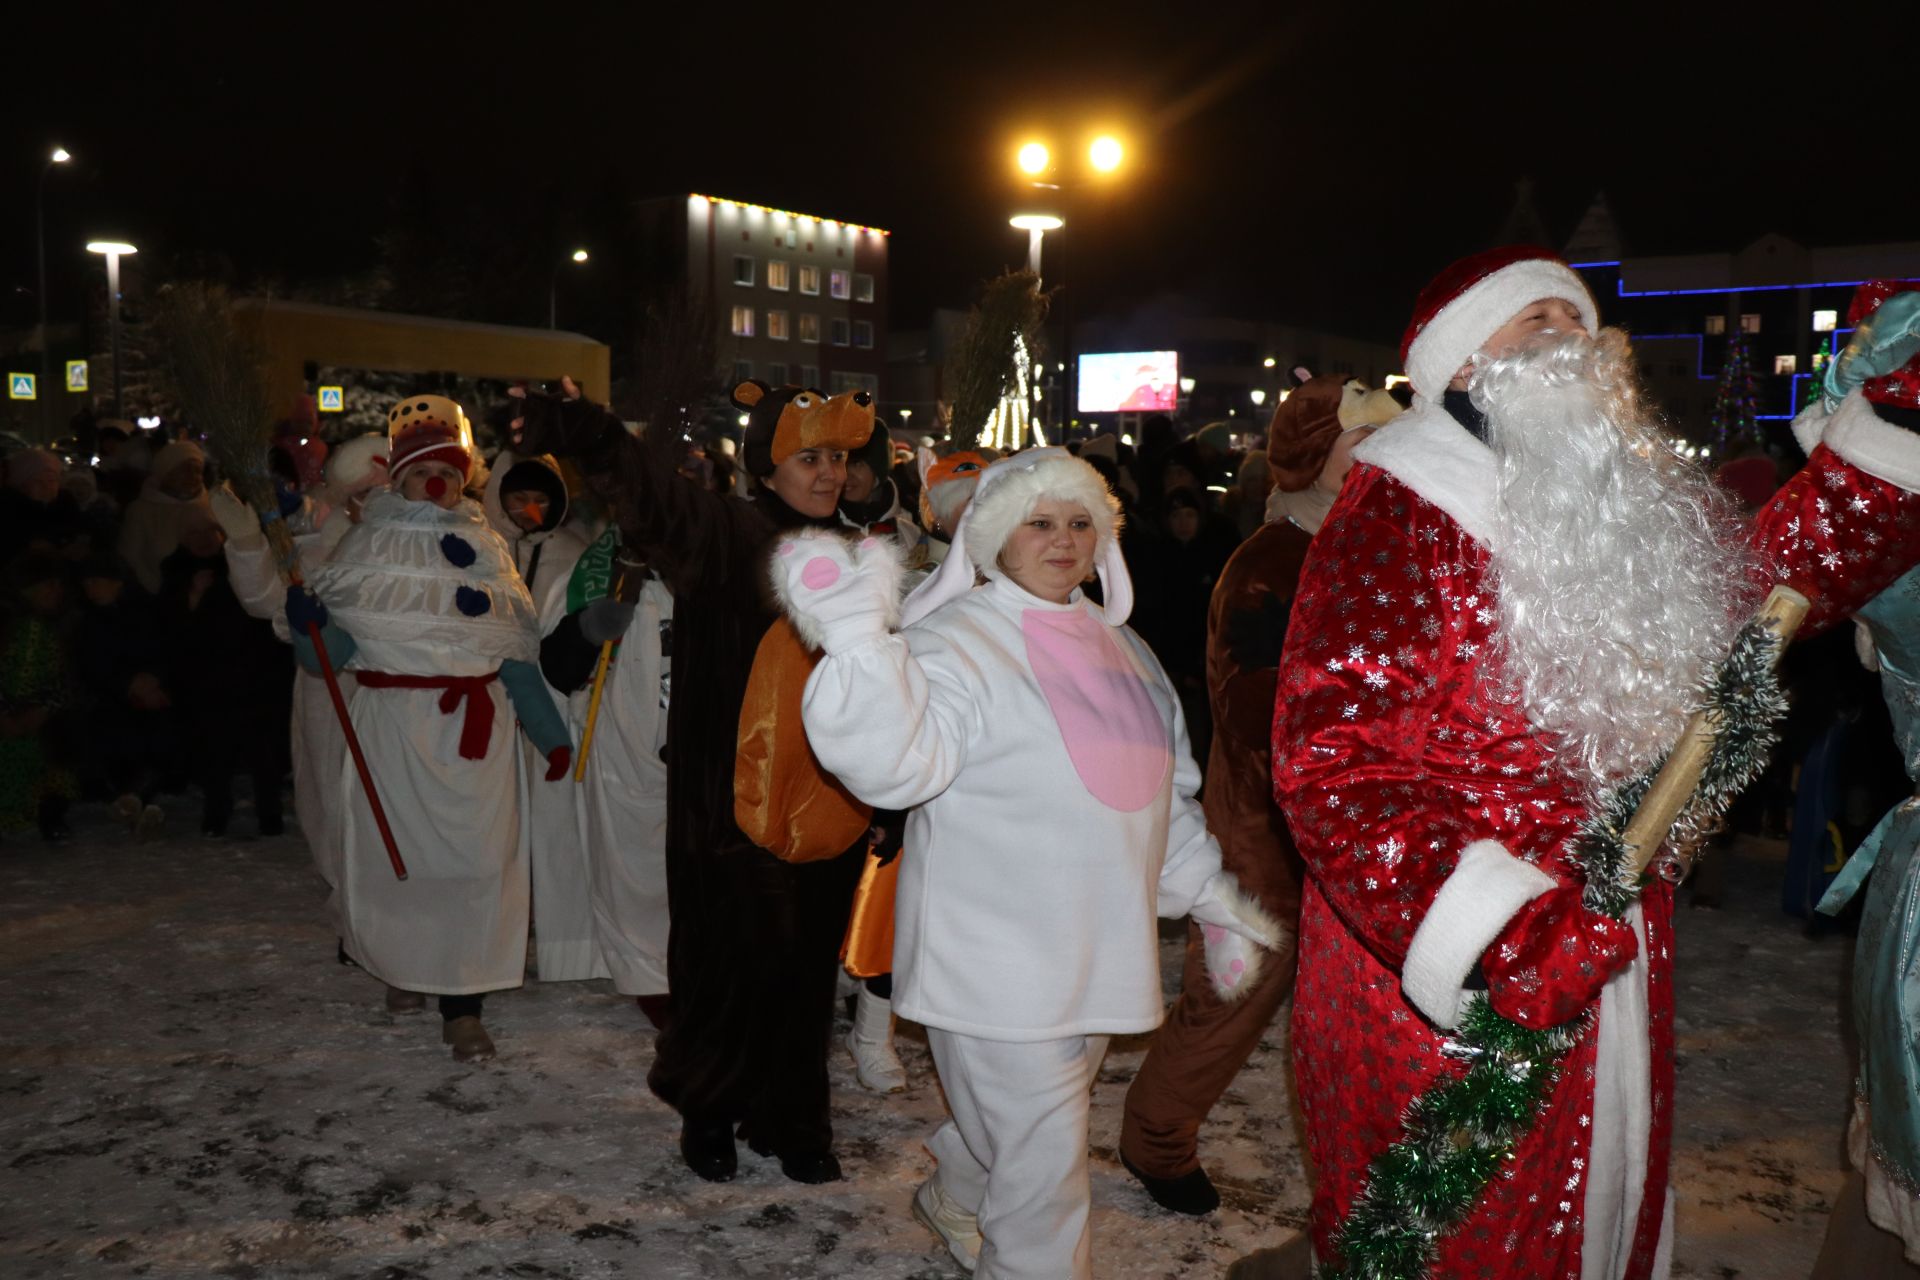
x,y
742,370
841,331
809,323
862,287
1750,322
777,373
777,271
742,269
810,281
1826,321
1716,325
777,325
863,334
792,238
809,375
1786,364
743,322
840,285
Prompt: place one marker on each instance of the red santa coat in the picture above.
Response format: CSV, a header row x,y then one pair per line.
x,y
1428,812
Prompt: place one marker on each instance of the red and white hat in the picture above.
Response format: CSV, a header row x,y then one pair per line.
x,y
1472,299
1901,388
428,429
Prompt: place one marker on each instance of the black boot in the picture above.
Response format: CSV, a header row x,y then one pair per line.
x,y
708,1150
1190,1193
811,1167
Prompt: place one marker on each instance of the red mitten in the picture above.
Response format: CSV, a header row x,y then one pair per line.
x,y
1553,957
559,760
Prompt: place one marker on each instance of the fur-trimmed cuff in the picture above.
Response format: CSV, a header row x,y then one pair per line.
x,y
1485,891
1234,932
1862,437
1809,425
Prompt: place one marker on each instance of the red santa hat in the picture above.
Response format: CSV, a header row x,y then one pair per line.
x,y
428,428
1901,388
1472,299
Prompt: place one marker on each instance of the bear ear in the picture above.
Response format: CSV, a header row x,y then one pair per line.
x,y
750,393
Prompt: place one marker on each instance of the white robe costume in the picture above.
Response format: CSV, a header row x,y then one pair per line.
x,y
458,924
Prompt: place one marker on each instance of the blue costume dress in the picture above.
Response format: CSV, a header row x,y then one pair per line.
x,y
1884,1139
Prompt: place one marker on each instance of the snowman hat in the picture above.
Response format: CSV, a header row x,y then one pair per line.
x,y
1004,496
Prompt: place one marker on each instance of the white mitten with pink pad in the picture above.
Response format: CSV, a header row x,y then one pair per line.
x,y
1235,931
838,594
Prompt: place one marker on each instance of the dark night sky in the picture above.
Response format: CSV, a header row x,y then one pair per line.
x,y
1312,164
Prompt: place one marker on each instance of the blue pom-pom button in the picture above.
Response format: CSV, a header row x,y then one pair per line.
x,y
458,551
469,601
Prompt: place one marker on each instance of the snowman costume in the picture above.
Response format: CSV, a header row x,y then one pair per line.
x,y
1042,752
427,609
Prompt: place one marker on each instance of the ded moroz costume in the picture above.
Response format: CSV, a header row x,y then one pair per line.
x,y
1509,611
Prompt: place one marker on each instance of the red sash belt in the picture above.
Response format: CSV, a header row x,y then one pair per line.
x,y
477,730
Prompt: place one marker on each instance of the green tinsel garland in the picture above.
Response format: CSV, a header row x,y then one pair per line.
x,y
1455,1135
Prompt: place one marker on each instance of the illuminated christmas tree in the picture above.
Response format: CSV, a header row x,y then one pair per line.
x,y
1736,400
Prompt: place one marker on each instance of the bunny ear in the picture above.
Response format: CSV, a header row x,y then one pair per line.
x,y
924,458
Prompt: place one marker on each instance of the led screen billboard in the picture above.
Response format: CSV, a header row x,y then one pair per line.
x,y
1130,382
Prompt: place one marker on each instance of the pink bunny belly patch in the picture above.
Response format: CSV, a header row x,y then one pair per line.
x,y
1113,732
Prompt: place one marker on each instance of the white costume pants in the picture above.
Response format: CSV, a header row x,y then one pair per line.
x,y
1015,1152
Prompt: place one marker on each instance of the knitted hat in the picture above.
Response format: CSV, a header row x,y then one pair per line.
x,y
877,452
783,421
1304,427
428,429
1900,388
1472,299
1005,495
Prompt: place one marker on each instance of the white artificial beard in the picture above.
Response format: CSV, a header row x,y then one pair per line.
x,y
1617,566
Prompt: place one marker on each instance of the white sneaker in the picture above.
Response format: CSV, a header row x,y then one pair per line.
x,y
957,1229
871,1044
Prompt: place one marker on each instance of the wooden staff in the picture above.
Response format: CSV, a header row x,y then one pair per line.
x,y
599,687
1785,609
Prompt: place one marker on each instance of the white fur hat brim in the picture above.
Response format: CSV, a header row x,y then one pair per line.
x,y
1463,326
1005,494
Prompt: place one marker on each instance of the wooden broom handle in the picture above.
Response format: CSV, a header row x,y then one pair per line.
x,y
1785,609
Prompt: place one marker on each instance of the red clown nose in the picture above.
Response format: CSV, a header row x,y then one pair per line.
x,y
436,487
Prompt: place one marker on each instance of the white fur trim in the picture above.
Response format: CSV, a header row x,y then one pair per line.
x,y
1809,424
1484,892
1873,444
1622,1120
1463,325
1431,454
878,560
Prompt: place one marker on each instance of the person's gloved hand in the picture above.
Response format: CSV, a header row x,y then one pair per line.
x,y
1553,957
559,760
606,619
566,425
304,610
838,596
1235,930
237,520
1882,343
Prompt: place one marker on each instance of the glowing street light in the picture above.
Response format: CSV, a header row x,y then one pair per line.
x,y
1106,153
1036,225
1034,158
60,155
114,251
1268,363
578,256
1258,395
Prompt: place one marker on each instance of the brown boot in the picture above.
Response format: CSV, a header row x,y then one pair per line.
x,y
400,1001
468,1038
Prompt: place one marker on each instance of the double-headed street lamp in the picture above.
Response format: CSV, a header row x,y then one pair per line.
x,y
114,251
58,156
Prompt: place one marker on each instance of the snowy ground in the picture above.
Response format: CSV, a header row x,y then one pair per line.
x,y
191,1086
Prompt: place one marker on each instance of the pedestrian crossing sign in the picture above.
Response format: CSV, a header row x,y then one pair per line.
x,y
20,386
332,400
76,375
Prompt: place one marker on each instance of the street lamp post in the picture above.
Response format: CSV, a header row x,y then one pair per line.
x,y
553,288
59,156
114,251
1036,225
